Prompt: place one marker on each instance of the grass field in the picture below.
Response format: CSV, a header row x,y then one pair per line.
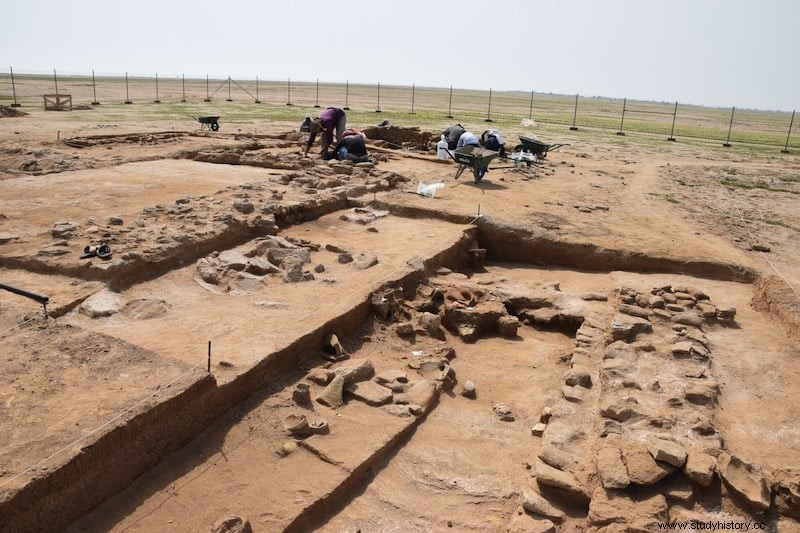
x,y
406,106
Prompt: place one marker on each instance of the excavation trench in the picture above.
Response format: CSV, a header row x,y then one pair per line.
x,y
175,422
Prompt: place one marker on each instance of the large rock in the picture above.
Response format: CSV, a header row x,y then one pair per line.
x,y
666,451
103,303
745,480
423,393
358,370
627,327
535,503
786,485
642,468
233,260
331,396
611,468
616,507
370,393
564,481
525,523
700,468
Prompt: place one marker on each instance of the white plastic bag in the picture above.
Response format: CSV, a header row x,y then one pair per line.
x,y
428,190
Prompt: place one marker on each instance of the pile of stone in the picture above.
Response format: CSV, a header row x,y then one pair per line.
x,y
632,437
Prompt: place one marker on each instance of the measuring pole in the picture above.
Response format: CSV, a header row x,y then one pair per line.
x,y
727,142
674,114
574,115
789,134
489,109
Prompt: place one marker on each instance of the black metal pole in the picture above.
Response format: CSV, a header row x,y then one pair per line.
x,y
378,109
183,87
674,114
413,90
316,104
13,88
55,79
530,111
257,100
94,90
347,95
208,98
450,104
156,101
229,89
789,134
489,109
289,91
127,97
727,142
574,127
622,120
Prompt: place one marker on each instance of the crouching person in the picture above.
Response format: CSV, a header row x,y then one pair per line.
x,y
352,147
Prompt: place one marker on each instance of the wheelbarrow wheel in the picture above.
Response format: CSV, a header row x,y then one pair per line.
x,y
215,126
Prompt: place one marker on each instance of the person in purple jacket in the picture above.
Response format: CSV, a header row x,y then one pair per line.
x,y
330,120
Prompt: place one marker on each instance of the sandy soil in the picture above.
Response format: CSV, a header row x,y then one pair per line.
x,y
461,467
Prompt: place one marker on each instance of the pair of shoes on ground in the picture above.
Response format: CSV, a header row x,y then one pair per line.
x,y
103,251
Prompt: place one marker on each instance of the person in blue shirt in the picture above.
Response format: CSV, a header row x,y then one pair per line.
x,y
467,139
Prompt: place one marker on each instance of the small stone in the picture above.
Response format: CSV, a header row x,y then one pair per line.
x,y
538,429
469,389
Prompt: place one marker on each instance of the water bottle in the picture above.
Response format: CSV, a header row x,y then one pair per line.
x,y
441,148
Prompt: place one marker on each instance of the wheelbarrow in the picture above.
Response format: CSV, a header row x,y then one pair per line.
x,y
210,122
536,147
473,157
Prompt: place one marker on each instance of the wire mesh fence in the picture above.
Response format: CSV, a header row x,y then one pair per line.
x,y
668,119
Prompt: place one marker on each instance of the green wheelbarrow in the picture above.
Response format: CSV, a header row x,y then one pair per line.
x,y
473,157
208,122
536,147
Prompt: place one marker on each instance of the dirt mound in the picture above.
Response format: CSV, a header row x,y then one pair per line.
x,y
11,112
399,136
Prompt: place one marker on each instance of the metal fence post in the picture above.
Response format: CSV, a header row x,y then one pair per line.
x,y
289,91
346,95
575,115
13,88
450,105
316,102
94,90
156,101
789,134
727,142
530,110
413,90
257,100
622,121
674,114
378,109
489,109
127,95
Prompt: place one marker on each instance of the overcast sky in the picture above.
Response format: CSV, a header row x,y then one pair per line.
x,y
708,52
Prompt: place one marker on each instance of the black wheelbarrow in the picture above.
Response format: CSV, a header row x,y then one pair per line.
x,y
473,157
536,147
210,122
